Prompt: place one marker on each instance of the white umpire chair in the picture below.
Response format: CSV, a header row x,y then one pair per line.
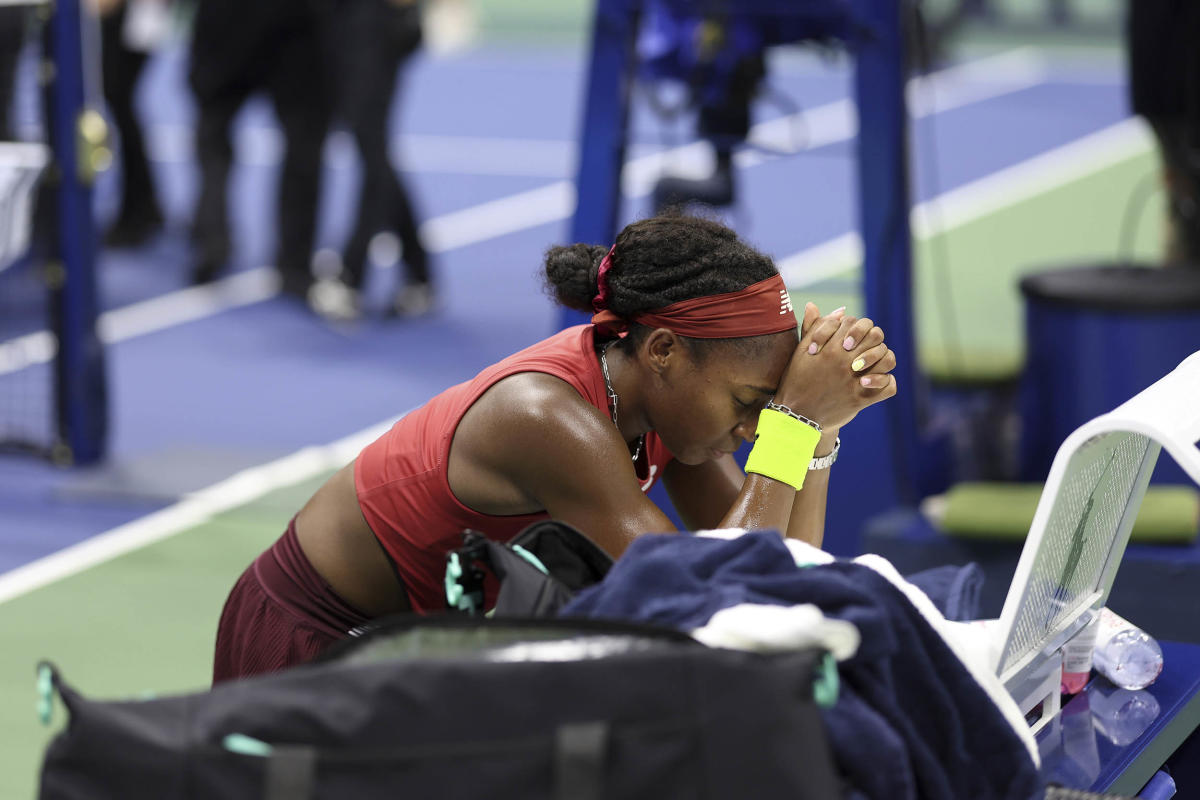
x,y
1082,525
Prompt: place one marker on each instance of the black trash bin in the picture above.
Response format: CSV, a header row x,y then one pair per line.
x,y
1095,336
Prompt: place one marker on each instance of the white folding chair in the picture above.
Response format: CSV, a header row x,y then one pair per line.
x,y
21,164
1082,525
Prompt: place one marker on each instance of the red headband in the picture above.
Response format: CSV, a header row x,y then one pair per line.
x,y
757,310
600,301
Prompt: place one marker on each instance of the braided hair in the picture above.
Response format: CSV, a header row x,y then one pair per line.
x,y
657,262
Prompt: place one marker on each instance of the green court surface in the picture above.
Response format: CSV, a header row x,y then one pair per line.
x,y
144,622
560,21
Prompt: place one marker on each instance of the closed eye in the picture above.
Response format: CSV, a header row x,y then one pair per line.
x,y
744,406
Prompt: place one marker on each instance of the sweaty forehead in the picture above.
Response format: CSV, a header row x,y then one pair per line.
x,y
758,370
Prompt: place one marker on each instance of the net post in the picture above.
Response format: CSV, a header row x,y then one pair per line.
x,y
80,383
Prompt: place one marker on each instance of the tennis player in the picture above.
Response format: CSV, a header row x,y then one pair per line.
x,y
694,348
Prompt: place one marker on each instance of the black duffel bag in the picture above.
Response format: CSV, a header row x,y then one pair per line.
x,y
456,707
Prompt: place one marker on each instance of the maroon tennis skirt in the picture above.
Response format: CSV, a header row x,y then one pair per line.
x,y
280,613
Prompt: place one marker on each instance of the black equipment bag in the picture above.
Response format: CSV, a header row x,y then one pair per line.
x,y
538,570
455,707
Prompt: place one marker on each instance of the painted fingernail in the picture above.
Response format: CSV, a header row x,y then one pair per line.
x,y
865,381
858,364
848,343
812,349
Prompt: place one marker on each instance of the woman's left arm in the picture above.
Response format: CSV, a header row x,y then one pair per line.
x,y
807,522
703,493
873,363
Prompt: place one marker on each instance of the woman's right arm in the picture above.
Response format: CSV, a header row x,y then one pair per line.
x,y
532,437
531,442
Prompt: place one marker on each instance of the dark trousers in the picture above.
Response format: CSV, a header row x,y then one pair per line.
x,y
232,58
376,37
1179,149
12,36
121,69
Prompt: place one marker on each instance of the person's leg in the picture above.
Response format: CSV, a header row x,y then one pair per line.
x,y
138,215
12,38
365,78
404,219
382,37
299,90
214,154
1181,179
383,202
416,258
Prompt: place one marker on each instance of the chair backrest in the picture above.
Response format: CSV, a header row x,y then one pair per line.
x,y
1083,520
21,164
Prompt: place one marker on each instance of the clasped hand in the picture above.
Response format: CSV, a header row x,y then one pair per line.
x,y
840,366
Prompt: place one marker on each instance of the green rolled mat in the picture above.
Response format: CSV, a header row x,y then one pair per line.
x,y
1004,511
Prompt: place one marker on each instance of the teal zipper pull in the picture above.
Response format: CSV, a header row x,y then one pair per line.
x,y
45,693
825,687
245,745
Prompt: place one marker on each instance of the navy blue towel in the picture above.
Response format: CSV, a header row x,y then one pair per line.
x,y
910,721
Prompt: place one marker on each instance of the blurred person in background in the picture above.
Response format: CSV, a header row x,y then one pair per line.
x,y
129,32
373,41
13,20
1164,85
240,48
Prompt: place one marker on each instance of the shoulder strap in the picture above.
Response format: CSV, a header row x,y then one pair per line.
x,y
291,773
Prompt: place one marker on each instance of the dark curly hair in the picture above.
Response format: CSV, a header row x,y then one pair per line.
x,y
657,262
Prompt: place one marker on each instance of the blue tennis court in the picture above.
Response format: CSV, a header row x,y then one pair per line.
x,y
229,401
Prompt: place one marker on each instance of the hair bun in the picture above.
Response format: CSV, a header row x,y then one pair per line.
x,y
571,274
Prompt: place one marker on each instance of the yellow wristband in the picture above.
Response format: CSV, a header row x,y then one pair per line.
x,y
783,448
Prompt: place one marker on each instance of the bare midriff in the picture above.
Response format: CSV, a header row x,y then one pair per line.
x,y
336,539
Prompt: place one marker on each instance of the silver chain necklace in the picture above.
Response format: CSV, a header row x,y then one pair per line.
x,y
612,396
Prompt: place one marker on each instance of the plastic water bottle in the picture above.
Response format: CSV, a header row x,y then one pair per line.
x,y
1126,654
1122,715
1077,658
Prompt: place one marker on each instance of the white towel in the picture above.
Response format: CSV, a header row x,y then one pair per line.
x,y
770,628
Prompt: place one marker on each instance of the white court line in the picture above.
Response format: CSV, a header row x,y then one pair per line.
x,y
948,89
148,316
262,146
1003,189
197,508
958,207
1019,182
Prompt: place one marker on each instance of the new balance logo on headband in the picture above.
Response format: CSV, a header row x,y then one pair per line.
x,y
785,302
